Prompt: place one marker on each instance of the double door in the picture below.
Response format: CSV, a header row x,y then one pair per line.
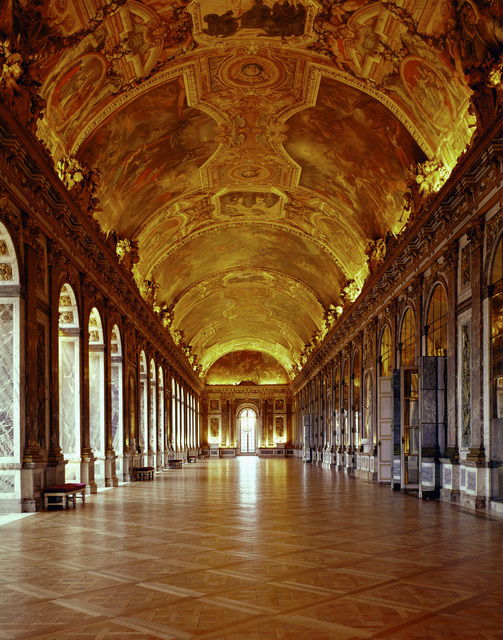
x,y
410,432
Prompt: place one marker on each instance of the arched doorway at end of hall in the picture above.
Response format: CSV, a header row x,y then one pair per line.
x,y
247,429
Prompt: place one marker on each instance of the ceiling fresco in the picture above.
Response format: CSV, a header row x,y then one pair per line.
x,y
353,151
150,151
251,159
246,366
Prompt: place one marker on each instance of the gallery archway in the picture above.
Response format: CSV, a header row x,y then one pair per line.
x,y
247,431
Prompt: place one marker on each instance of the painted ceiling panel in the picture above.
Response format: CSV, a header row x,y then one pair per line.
x,y
150,153
252,159
353,151
249,246
242,366
256,302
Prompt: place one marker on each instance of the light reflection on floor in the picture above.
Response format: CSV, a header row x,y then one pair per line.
x,y
250,549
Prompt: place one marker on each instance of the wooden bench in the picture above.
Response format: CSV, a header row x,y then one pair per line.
x,y
174,464
144,473
64,491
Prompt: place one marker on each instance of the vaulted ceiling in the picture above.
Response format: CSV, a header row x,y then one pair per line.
x,y
252,156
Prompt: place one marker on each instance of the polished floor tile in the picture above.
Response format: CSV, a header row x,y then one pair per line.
x,y
251,549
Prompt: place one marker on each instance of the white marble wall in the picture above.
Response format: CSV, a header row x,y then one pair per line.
x,y
160,417
116,408
96,403
8,396
153,418
69,398
143,415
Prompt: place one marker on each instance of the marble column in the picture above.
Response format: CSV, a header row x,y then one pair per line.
x,y
475,490
56,462
450,261
477,449
110,454
87,459
33,458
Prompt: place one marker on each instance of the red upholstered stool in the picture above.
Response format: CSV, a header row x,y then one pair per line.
x,y
64,491
144,473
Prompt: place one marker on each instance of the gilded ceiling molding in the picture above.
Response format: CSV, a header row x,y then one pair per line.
x,y
84,245
279,352
250,392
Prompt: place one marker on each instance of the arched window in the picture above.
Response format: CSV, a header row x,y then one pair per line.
x,y
97,395
247,429
69,381
385,353
497,334
345,403
198,409
152,439
337,407
10,388
160,419
183,427
408,339
179,425
132,414
143,429
367,406
436,323
356,397
173,414
117,404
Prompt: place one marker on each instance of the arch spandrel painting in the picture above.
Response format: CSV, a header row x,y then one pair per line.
x,y
285,21
246,366
355,152
149,154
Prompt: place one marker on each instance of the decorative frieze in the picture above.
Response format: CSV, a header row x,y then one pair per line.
x,y
465,267
450,256
475,232
31,232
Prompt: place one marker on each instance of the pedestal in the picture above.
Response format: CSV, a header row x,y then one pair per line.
x,y
449,490
110,469
87,472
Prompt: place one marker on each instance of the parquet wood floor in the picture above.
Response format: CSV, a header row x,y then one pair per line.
x,y
251,549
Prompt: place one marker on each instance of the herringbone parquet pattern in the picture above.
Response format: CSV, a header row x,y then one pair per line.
x,y
252,549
